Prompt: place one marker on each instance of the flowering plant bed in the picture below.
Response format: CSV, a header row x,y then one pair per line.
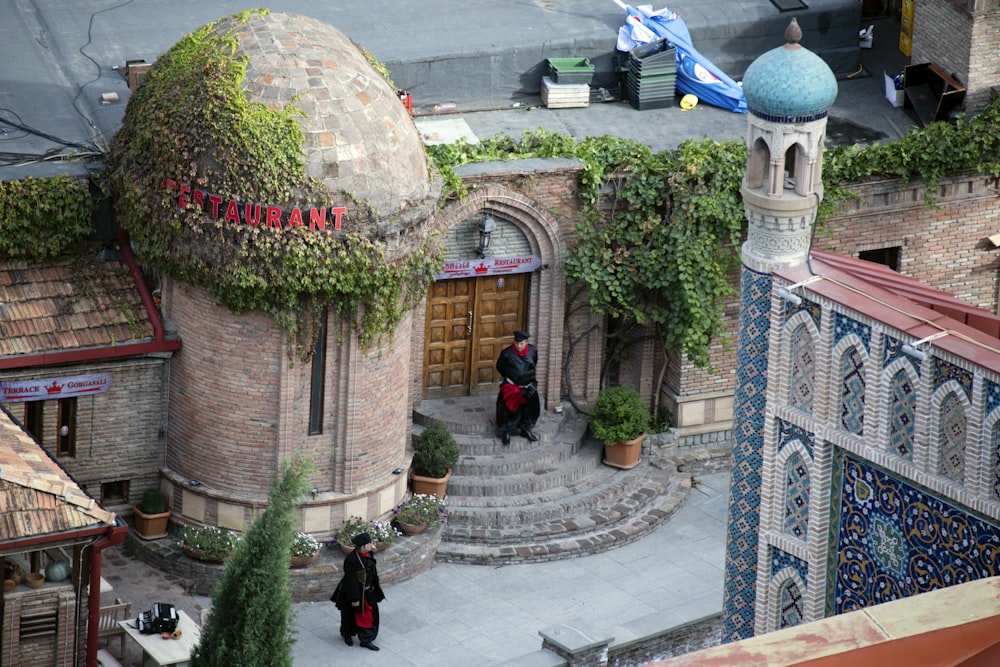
x,y
209,543
420,509
304,545
382,532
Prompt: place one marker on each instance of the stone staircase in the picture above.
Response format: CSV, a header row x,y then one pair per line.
x,y
549,500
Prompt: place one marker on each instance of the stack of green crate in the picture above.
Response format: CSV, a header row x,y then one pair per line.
x,y
570,71
652,75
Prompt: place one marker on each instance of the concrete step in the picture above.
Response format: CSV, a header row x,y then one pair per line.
x,y
512,462
540,477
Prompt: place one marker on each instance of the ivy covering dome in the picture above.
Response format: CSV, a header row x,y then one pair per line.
x,y
789,84
268,159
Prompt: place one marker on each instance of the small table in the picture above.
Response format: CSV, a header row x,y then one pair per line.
x,y
159,652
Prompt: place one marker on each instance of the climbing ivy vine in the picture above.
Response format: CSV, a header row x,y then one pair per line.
x,y
190,122
660,252
42,219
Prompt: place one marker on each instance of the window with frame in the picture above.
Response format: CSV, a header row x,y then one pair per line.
x,y
318,381
114,493
34,418
66,436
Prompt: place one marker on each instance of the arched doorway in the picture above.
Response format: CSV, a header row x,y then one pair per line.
x,y
469,321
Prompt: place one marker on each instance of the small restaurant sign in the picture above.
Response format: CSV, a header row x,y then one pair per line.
x,y
491,266
47,389
218,207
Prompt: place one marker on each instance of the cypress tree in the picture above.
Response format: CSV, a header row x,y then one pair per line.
x,y
251,622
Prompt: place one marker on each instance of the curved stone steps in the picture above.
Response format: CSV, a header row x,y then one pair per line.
x,y
605,527
608,489
540,479
515,462
545,500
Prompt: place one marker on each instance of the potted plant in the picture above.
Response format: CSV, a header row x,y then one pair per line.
x,y
620,419
418,512
304,551
434,456
152,514
208,543
382,533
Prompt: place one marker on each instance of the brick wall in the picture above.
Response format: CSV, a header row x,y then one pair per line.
x,y
963,40
224,394
131,414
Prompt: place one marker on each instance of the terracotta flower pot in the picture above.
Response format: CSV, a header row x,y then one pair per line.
x,y
198,554
624,455
413,528
303,561
431,486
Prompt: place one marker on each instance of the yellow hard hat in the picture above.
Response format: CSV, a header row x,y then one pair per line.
x,y
689,102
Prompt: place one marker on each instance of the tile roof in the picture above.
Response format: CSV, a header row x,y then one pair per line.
x,y
37,497
82,302
903,303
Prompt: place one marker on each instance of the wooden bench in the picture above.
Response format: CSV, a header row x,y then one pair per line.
x,y
108,623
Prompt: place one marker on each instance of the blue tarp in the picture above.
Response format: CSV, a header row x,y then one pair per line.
x,y
695,73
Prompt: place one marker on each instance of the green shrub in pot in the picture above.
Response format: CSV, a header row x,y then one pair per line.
x,y
619,415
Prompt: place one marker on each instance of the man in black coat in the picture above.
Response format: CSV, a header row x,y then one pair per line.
x,y
359,589
517,402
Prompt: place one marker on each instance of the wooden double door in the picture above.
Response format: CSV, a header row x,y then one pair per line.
x,y
469,321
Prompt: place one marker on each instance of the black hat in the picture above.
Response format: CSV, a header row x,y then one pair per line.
x,y
521,335
361,539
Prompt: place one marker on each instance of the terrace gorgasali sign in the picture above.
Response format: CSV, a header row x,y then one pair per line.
x,y
253,214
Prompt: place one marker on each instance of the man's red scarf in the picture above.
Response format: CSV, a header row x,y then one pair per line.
x,y
512,396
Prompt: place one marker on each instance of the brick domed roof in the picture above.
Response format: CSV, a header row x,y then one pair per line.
x,y
359,138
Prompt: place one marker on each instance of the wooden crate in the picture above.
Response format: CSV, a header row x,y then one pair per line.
x,y
564,96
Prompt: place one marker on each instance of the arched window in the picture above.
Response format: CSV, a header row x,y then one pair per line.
x,y
796,521
803,369
953,429
902,415
852,394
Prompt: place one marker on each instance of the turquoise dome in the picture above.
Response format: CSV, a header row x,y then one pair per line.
x,y
789,84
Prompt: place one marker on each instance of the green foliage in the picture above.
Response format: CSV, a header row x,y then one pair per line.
x,y
661,256
154,501
435,452
618,415
420,509
190,122
929,154
255,625
42,219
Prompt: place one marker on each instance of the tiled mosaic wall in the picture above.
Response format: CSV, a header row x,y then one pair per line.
x,y
892,539
748,443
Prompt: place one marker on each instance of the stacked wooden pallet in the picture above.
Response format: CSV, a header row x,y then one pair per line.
x,y
564,95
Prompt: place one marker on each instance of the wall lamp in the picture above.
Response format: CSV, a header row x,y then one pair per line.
x,y
914,350
486,228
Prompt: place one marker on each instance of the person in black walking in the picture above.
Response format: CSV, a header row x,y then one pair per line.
x,y
359,593
517,402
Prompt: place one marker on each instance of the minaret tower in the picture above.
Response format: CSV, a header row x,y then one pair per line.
x,y
789,91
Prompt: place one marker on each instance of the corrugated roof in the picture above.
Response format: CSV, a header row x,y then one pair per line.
x,y
903,303
83,302
38,497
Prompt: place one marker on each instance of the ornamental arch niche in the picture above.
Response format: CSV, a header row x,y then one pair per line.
x,y
480,298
